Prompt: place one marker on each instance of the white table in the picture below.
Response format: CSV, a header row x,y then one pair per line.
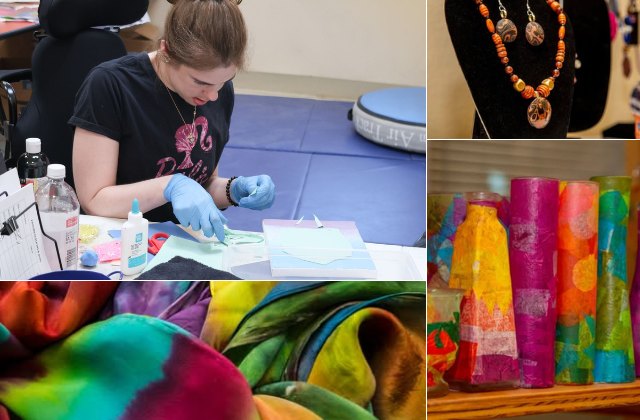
x,y
392,262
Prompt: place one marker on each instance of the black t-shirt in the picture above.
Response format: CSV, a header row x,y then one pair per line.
x,y
125,100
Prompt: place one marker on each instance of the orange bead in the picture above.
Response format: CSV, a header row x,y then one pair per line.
x,y
562,18
490,26
560,58
543,90
484,11
558,64
561,32
496,39
504,60
556,73
561,46
556,6
501,47
514,78
527,92
508,70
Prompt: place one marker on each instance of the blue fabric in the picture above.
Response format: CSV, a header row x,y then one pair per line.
x,y
407,104
385,197
320,165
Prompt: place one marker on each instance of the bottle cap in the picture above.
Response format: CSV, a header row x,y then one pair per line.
x,y
56,171
33,145
135,210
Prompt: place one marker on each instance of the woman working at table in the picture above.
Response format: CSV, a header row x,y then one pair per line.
x,y
152,126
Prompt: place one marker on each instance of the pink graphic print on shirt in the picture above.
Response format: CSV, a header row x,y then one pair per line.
x,y
183,145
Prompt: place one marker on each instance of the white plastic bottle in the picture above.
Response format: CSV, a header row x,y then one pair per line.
x,y
133,242
59,210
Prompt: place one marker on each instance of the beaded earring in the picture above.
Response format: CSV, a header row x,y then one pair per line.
x,y
505,27
533,32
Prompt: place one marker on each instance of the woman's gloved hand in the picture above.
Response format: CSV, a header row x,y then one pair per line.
x,y
194,206
253,192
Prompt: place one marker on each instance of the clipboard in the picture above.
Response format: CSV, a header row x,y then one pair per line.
x,y
22,236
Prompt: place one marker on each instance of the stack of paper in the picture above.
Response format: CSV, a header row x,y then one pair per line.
x,y
22,253
302,249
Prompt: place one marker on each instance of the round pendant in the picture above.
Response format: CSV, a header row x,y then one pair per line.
x,y
534,33
539,112
507,30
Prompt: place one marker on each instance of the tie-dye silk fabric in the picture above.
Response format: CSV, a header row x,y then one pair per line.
x,y
363,341
183,303
127,367
304,350
37,313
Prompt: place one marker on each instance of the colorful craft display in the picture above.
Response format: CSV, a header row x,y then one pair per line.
x,y
445,212
532,257
577,278
614,344
634,303
443,337
488,356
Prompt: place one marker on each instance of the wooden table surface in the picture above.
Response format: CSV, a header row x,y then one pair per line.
x,y
521,402
9,29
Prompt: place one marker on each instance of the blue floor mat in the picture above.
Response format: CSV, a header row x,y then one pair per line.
x,y
321,166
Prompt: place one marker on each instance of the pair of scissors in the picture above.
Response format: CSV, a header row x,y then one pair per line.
x,y
156,241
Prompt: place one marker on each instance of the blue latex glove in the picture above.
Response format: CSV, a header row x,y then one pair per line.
x,y
194,206
253,192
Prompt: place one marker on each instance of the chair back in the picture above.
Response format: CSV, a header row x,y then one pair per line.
x,y
60,62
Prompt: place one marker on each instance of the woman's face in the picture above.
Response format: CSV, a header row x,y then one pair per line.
x,y
197,87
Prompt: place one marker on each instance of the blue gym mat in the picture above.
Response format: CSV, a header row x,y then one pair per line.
x,y
321,166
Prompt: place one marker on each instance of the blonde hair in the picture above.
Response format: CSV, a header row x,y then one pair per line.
x,y
205,34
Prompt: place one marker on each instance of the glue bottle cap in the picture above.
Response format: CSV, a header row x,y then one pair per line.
x,y
135,206
135,210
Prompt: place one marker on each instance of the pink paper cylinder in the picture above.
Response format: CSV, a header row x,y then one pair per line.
x,y
532,256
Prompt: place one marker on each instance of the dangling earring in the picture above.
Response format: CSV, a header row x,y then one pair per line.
x,y
505,27
533,31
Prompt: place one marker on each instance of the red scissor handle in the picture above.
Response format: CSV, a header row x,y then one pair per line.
x,y
156,241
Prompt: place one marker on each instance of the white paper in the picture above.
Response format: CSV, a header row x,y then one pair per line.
x,y
22,253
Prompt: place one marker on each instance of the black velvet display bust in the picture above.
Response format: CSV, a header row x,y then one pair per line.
x,y
590,21
502,110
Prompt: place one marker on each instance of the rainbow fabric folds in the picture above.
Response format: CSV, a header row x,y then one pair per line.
x,y
268,351
364,341
34,314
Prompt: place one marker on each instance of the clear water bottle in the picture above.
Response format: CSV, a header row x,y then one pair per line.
x,y
32,165
60,211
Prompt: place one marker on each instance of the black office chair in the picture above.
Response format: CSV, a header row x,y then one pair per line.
x,y
67,49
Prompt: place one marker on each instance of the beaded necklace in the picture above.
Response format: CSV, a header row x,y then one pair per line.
x,y
539,110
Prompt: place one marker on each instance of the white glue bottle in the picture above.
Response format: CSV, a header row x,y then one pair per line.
x,y
59,211
133,242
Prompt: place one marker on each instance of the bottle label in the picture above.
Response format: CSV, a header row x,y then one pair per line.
x,y
136,261
63,227
134,251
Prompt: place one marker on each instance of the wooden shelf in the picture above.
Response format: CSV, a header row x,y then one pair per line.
x,y
521,402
